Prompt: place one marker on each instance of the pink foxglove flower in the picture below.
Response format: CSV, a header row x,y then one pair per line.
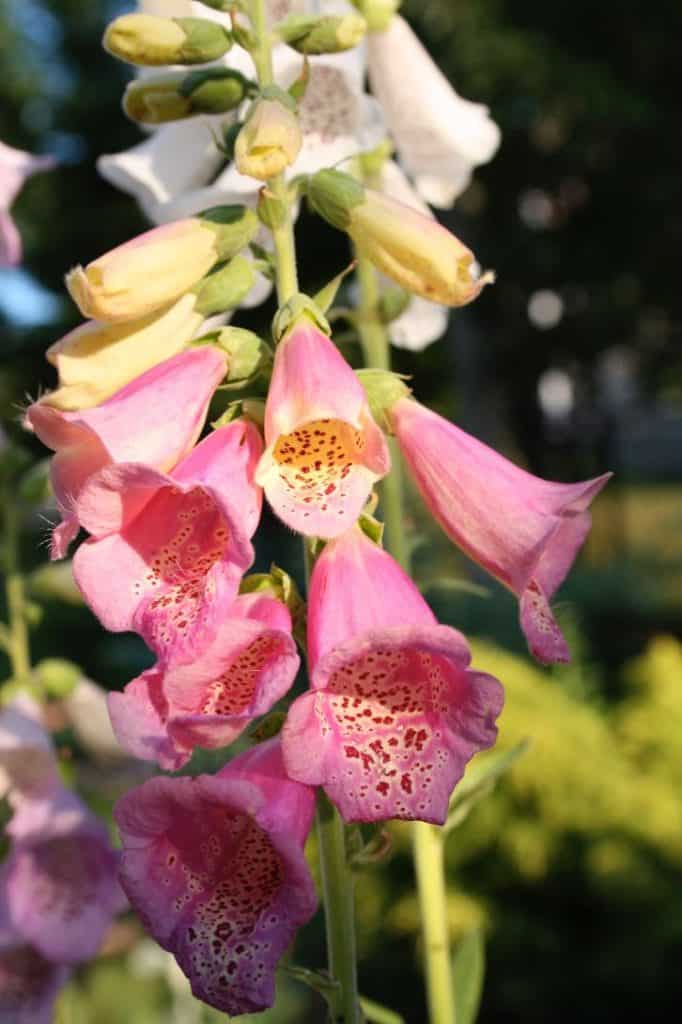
x,y
60,877
324,449
28,767
394,712
154,420
445,136
15,167
168,551
523,530
29,982
171,709
214,866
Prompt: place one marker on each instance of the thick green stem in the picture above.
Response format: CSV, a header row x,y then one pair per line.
x,y
339,906
337,880
428,842
17,643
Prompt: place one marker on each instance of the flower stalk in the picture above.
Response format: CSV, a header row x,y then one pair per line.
x,y
16,636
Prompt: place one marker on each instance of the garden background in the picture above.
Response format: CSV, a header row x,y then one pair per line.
x,y
571,365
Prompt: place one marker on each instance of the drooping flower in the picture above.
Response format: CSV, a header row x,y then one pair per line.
x,y
268,142
523,530
172,708
97,359
445,137
153,420
29,982
179,543
214,866
15,167
60,877
394,712
27,762
324,449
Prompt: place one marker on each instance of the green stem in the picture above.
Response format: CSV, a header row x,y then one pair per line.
x,y
428,842
339,906
17,642
337,880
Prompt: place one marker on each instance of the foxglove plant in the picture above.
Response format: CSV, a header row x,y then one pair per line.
x,y
215,864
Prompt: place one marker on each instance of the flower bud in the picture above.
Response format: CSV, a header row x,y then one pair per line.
x,y
150,41
97,359
269,141
331,34
163,98
247,353
377,13
415,251
225,287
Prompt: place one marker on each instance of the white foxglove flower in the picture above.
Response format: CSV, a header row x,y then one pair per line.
x,y
15,167
423,322
439,136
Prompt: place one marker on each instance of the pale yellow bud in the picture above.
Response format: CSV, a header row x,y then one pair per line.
x,y
269,142
97,359
151,41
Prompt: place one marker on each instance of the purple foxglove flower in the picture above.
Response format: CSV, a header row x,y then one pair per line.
x,y
523,530
324,449
214,866
171,709
60,877
153,420
394,712
29,982
169,550
27,762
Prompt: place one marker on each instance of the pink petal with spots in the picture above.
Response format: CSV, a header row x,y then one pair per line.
x,y
29,982
215,868
154,420
324,449
249,665
60,877
523,530
391,722
356,586
180,558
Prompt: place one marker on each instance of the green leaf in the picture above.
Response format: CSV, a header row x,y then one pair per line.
x,y
377,1014
468,969
326,296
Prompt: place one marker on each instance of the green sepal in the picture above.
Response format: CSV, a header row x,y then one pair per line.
x,y
372,528
274,92
392,303
333,194
279,584
378,13
315,35
225,287
325,298
204,40
376,850
318,981
216,90
468,971
272,211
298,306
248,356
268,727
383,389
375,1013
371,162
481,777
299,86
227,143
234,227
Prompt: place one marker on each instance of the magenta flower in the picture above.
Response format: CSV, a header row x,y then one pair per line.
x,y
29,982
179,543
27,762
394,713
523,530
15,167
153,420
171,709
214,866
60,877
324,449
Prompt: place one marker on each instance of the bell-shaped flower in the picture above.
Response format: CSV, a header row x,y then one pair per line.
x,y
29,981
324,450
154,420
445,137
394,711
97,359
269,141
521,529
28,767
214,866
15,167
60,877
179,543
172,708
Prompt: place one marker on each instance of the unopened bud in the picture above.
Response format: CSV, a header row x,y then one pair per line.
x,y
225,287
216,90
331,34
412,249
269,141
54,581
57,676
155,100
247,353
377,13
151,41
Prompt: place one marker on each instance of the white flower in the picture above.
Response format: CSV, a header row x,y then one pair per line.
x,y
440,137
422,322
15,167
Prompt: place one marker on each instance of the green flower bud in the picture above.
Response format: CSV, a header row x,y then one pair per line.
x,y
216,90
225,287
54,582
378,13
333,195
277,583
156,100
331,34
269,141
57,676
150,41
233,226
247,353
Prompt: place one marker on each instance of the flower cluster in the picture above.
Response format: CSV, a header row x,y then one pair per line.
x,y
215,865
